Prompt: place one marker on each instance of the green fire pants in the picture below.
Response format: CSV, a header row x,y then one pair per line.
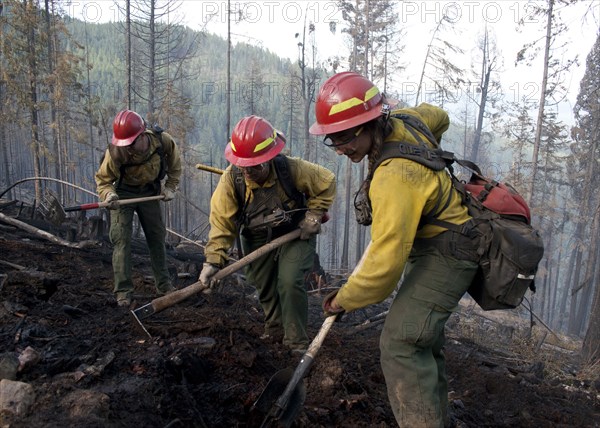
x,y
279,279
413,337
121,229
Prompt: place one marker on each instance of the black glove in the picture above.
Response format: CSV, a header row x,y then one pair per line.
x,y
328,310
310,224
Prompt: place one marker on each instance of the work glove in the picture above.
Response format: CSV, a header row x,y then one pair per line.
x,y
169,194
207,276
328,309
110,198
310,224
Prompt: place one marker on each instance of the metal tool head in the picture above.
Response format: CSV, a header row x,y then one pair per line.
x,y
51,208
144,312
138,322
266,405
287,386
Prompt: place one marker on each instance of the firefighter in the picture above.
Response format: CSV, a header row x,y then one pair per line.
x,y
259,208
133,167
437,266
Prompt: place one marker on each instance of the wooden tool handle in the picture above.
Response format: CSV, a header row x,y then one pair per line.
x,y
175,297
117,203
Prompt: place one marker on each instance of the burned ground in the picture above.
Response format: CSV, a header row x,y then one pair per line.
x,y
205,366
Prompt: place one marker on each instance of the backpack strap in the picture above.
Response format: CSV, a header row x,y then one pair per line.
x,y
434,158
281,165
282,168
239,184
469,165
416,124
433,216
160,151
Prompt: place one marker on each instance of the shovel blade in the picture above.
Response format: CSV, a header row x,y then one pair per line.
x,y
266,403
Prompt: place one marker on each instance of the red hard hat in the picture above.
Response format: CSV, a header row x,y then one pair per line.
x,y
253,141
345,100
126,127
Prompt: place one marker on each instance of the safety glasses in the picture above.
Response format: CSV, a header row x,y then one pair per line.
x,y
256,168
329,139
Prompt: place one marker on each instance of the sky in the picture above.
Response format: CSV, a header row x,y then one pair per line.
x,y
273,25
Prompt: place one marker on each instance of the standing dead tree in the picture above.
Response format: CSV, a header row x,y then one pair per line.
x,y
438,69
585,150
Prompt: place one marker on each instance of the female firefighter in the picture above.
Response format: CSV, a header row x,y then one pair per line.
x,y
358,121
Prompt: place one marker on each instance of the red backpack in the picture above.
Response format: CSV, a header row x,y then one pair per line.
x,y
509,248
501,198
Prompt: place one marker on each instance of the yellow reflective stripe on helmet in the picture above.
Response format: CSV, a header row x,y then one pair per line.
x,y
265,143
345,105
233,146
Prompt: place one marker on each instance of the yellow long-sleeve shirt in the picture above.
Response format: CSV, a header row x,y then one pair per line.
x,y
401,192
144,173
315,181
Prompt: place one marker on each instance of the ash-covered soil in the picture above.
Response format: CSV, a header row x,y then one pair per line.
x,y
204,364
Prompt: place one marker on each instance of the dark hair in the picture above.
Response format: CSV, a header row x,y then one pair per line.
x,y
377,129
377,132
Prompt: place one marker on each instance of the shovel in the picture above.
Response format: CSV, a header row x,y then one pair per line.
x,y
285,393
168,300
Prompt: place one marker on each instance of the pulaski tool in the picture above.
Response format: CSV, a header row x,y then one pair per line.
x,y
168,300
53,210
113,204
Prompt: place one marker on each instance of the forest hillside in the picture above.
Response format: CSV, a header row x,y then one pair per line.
x,y
63,80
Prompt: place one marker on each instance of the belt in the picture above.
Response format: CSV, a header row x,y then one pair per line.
x,y
451,243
